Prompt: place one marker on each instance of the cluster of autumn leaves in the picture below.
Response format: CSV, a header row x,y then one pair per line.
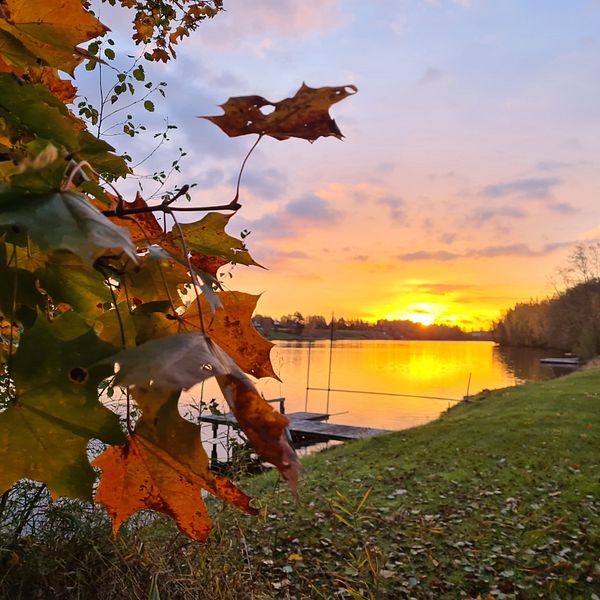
x,y
91,284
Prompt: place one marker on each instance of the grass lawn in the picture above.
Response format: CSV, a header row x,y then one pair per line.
x,y
499,498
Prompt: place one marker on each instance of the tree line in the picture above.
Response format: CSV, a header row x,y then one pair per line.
x,y
570,319
318,326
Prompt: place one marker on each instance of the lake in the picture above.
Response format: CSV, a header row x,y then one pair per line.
x,y
440,369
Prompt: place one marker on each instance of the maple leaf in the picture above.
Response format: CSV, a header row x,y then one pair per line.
x,y
208,237
30,36
163,467
177,362
264,426
34,112
139,476
65,221
208,264
68,280
19,296
45,431
117,327
305,115
157,276
143,227
63,89
232,329
217,247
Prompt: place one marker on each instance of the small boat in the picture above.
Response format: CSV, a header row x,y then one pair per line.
x,y
565,361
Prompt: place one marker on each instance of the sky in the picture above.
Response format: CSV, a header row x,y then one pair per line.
x,y
469,168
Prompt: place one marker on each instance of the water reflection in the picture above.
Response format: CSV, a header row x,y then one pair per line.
x,y
524,363
413,368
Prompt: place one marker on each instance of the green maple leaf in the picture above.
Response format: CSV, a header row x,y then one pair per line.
x,y
19,295
157,277
45,431
208,237
67,280
33,112
65,221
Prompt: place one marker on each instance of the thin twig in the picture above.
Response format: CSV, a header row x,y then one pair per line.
x,y
160,269
192,272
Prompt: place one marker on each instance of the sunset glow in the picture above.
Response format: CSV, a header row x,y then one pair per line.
x,y
421,312
468,169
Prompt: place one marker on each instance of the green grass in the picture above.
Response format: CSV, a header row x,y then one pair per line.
x,y
498,498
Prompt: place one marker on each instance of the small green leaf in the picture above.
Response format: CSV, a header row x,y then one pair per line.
x,y
138,73
149,106
109,53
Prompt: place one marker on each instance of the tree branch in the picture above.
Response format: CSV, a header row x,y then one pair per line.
x,y
165,206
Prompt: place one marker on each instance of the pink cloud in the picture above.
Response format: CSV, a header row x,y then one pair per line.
x,y
244,25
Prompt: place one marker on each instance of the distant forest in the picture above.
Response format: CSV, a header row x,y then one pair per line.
x,y
317,327
570,320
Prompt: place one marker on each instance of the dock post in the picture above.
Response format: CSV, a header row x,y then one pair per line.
x,y
214,459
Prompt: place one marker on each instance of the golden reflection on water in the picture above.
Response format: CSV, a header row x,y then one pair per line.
x,y
420,368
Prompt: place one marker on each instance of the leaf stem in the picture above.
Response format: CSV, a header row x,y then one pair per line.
x,y
9,359
76,169
192,272
236,198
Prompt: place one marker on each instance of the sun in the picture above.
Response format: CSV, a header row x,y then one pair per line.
x,y
425,313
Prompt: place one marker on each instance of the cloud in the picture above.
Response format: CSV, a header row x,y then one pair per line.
x,y
447,238
507,250
395,205
445,176
440,255
488,213
312,208
534,187
442,288
292,218
522,250
209,178
253,26
386,167
431,75
559,165
564,208
399,25
268,184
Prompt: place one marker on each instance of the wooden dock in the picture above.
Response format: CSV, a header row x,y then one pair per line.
x,y
304,427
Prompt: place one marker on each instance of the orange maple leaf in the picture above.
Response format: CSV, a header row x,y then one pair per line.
x,y
232,329
264,426
163,467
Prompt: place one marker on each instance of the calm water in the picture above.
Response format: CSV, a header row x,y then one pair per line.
x,y
421,368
